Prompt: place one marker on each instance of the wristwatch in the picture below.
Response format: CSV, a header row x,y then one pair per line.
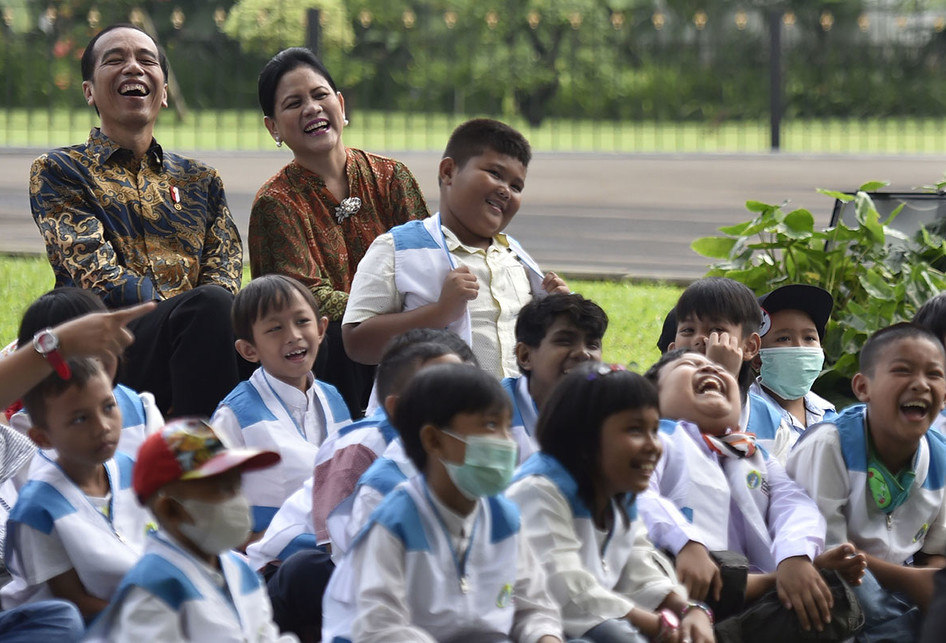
x,y
669,623
47,344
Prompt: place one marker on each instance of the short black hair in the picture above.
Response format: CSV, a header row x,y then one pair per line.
x,y
932,315
873,347
281,64
57,307
437,335
721,298
398,365
87,64
653,373
474,137
538,315
438,394
83,370
262,295
569,427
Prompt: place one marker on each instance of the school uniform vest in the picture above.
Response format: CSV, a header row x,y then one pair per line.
x,y
100,549
205,611
435,599
422,261
897,538
266,423
765,421
606,566
290,530
523,415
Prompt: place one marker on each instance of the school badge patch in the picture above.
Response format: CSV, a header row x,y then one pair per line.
x,y
505,596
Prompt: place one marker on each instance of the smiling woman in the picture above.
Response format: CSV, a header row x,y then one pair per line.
x,y
316,217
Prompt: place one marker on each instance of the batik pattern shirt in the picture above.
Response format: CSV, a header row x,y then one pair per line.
x,y
294,230
133,230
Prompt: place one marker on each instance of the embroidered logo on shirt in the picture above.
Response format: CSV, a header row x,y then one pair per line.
x,y
755,480
920,534
505,596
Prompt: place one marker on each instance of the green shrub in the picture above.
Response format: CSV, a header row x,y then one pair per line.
x,y
876,274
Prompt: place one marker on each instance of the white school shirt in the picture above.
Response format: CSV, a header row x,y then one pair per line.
x,y
54,527
817,409
830,461
266,413
381,478
171,596
747,505
405,268
524,415
140,418
400,581
290,530
593,575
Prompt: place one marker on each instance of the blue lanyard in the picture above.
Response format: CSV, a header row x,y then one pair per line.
x,y
459,562
299,429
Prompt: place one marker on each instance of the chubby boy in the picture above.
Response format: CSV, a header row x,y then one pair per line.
x,y
553,335
282,407
188,586
878,475
76,527
457,269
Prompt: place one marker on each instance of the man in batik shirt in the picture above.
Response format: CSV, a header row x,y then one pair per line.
x,y
132,223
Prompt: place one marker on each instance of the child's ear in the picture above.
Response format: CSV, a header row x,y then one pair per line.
x,y
323,326
39,437
169,511
524,356
750,347
390,404
246,350
432,440
860,385
446,170
671,346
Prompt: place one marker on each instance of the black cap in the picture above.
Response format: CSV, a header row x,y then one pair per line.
x,y
814,301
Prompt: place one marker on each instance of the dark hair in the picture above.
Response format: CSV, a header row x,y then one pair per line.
x,y
474,137
262,295
438,394
569,427
398,365
653,373
83,370
538,315
721,298
875,344
436,335
87,65
668,332
56,307
932,316
281,64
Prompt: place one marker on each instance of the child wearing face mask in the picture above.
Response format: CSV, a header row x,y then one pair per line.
x,y
188,586
442,558
790,360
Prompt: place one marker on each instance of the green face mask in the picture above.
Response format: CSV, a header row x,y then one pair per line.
x,y
487,466
790,371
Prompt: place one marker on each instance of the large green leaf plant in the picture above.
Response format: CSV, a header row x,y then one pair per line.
x,y
876,274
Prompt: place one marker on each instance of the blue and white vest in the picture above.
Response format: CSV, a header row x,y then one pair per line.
x,y
289,531
100,549
254,415
204,611
524,415
436,603
422,261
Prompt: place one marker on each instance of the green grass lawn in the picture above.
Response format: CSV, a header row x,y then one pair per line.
x,y
636,311
398,131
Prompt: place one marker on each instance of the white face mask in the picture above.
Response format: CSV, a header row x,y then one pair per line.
x,y
217,526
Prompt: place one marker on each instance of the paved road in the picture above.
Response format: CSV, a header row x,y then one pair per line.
x,y
627,215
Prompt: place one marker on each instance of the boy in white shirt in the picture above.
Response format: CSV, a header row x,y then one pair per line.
x,y
188,586
282,407
76,527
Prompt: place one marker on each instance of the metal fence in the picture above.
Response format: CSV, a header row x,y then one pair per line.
x,y
726,81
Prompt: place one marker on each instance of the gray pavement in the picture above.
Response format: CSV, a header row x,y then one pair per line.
x,y
582,214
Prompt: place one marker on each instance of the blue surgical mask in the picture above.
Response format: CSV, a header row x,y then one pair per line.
x,y
487,466
790,371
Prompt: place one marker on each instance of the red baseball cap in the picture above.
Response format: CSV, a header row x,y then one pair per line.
x,y
188,449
